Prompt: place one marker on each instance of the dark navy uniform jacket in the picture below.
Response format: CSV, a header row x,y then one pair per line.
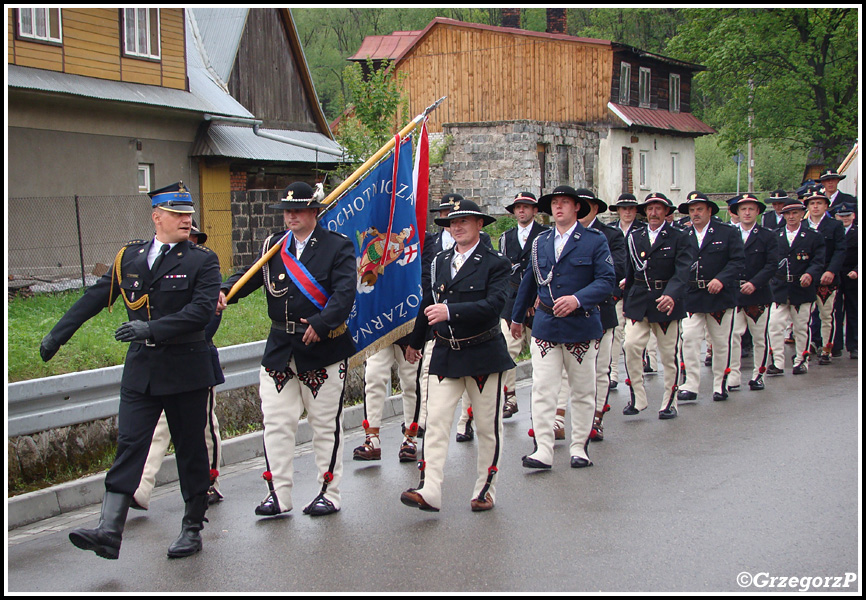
x,y
834,244
804,255
475,297
656,270
719,257
585,270
761,262
330,259
183,294
616,243
509,246
771,220
432,247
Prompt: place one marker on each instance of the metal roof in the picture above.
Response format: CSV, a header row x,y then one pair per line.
x,y
221,30
379,47
660,119
241,142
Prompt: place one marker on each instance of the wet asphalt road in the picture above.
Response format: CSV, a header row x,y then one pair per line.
x,y
721,499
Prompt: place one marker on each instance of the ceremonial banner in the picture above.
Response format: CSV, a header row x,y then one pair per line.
x,y
379,216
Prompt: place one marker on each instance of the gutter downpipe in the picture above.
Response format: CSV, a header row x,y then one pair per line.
x,y
256,123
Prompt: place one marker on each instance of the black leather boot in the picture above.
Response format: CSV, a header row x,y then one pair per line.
x,y
189,540
105,539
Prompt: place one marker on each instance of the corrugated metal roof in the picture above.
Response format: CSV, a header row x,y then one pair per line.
x,y
221,30
379,47
241,142
660,119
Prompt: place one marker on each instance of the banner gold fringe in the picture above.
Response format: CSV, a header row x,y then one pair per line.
x,y
383,342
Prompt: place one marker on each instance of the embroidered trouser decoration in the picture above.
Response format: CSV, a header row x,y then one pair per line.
x,y
281,378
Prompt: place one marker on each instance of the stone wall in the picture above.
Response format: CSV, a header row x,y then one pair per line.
x,y
489,163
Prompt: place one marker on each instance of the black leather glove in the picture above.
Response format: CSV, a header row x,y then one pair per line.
x,y
48,348
132,330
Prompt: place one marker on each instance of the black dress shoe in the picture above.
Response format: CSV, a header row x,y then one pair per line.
x,y
135,505
719,397
320,507
613,385
531,463
468,435
774,370
669,413
686,395
800,369
578,462
824,359
269,508
755,385
630,410
836,354
733,387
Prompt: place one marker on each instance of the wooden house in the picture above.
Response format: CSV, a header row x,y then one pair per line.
x,y
532,110
105,104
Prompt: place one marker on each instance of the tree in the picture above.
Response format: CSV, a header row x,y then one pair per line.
x,y
371,121
794,70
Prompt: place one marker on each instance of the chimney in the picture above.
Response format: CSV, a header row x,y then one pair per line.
x,y
556,20
511,17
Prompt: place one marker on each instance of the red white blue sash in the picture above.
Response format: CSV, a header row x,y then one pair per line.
x,y
301,277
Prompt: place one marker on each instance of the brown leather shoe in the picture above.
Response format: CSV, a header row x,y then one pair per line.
x,y
558,431
366,451
415,500
510,406
481,505
408,451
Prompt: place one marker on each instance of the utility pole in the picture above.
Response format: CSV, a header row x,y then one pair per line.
x,y
751,153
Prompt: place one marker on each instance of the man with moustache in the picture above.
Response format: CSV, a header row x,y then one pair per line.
x,y
755,297
658,264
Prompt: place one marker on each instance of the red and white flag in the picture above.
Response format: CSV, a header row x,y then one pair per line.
x,y
421,181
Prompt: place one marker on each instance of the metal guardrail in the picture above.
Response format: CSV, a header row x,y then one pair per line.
x,y
64,400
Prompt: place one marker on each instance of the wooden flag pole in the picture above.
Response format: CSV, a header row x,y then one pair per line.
x,y
339,190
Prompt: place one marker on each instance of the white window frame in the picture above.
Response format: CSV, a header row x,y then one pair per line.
x,y
144,169
624,83
674,97
30,32
644,86
140,21
675,170
643,170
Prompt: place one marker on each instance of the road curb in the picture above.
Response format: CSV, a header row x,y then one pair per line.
x,y
42,504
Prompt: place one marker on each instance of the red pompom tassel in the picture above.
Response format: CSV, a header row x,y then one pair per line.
x,y
267,476
762,370
727,371
628,382
532,433
214,474
365,424
413,429
492,470
469,412
328,477
422,464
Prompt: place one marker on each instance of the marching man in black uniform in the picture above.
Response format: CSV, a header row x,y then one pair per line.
x,y
823,321
714,279
516,245
801,264
755,296
659,257
571,273
626,207
469,288
170,288
433,245
847,309
310,288
773,219
830,180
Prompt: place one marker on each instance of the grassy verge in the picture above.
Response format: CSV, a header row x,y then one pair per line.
x,y
93,346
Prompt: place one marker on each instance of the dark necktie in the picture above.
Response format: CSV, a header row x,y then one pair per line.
x,y
162,252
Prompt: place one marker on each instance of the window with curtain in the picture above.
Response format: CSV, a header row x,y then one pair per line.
x,y
141,32
41,24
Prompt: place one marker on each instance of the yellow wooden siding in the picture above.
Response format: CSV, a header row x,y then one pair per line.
x,y
498,76
92,46
216,211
